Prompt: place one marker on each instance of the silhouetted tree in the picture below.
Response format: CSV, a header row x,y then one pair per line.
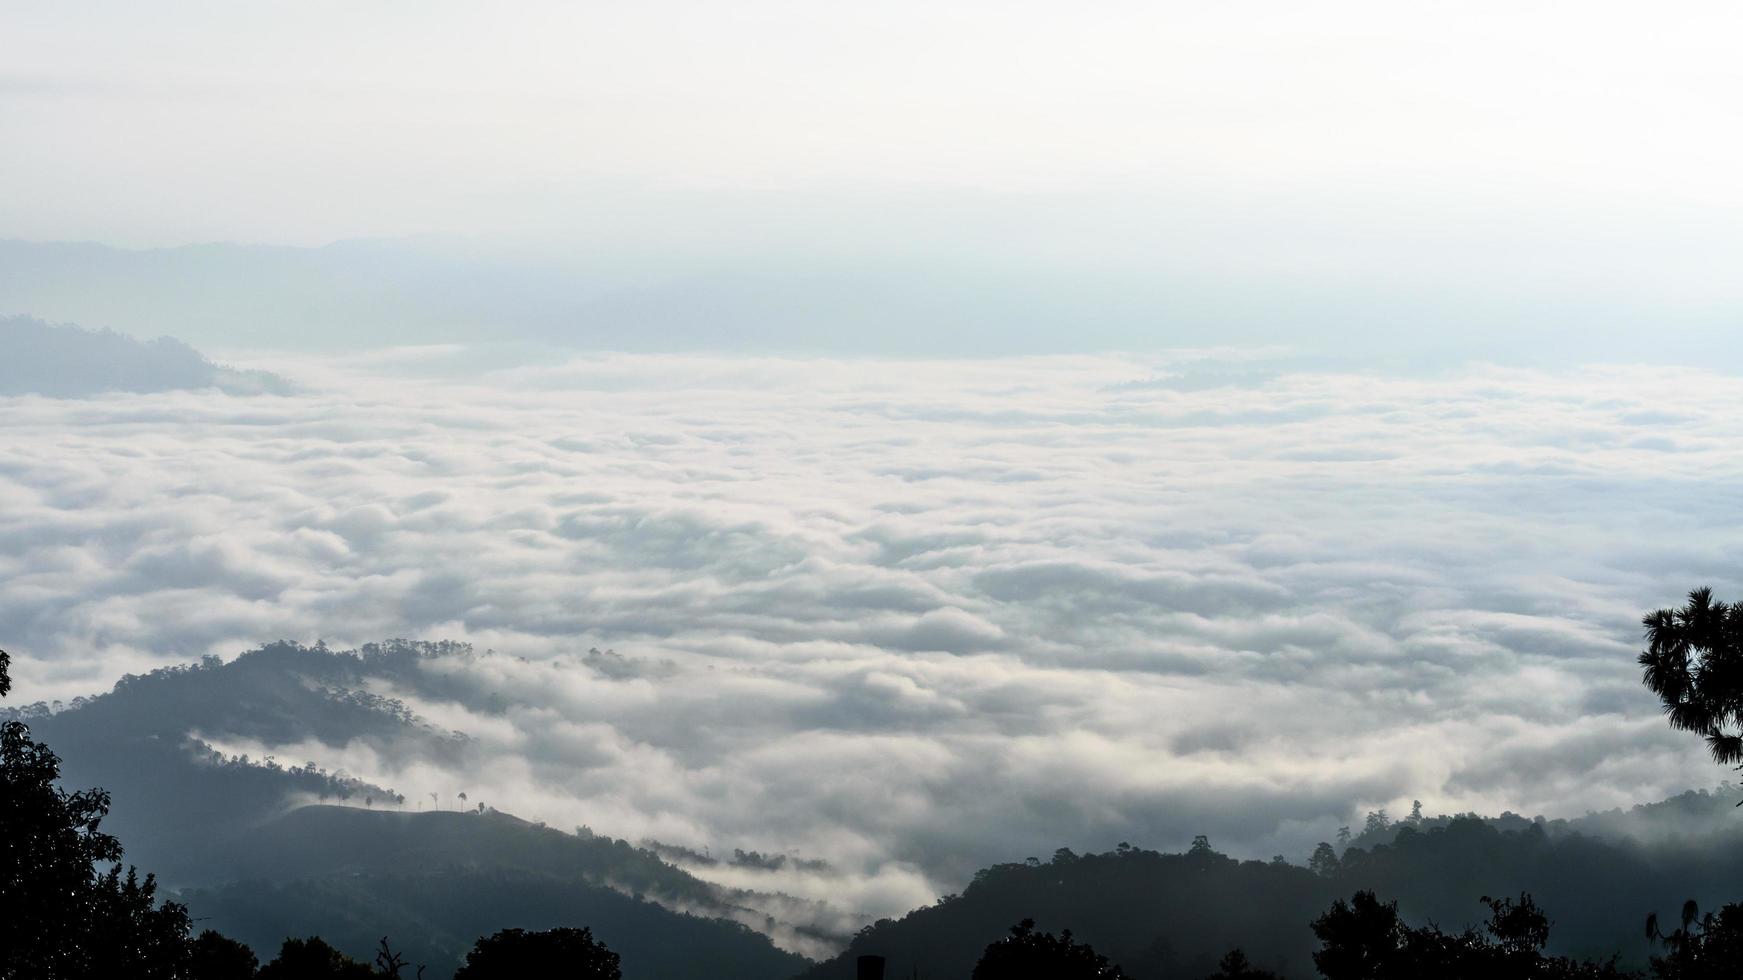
x,y
388,963
1324,861
130,934
1029,955
1518,928
1366,939
60,917
1694,663
1360,940
515,953
313,959
218,957
1706,947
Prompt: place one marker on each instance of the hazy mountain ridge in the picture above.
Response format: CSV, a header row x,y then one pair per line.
x,y
66,361
266,296
632,291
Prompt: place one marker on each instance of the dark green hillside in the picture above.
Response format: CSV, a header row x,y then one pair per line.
x,y
1164,916
175,798
250,861
318,840
434,916
1157,915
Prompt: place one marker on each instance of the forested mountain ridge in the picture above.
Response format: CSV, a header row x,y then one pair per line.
x,y
175,796
200,816
65,361
250,850
1175,915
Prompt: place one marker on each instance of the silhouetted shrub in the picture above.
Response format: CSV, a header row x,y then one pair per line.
x,y
1365,939
515,953
218,957
1029,955
313,959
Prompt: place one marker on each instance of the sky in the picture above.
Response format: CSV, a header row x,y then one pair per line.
x,y
305,123
1503,178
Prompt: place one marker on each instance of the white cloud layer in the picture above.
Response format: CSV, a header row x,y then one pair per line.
x,y
911,616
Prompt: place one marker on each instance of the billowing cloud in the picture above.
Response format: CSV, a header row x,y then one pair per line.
x,y
913,616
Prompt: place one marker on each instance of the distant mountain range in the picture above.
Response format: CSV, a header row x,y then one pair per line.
x,y
66,361
382,293
805,291
229,833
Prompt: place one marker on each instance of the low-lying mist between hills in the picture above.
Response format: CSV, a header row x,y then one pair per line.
x,y
898,620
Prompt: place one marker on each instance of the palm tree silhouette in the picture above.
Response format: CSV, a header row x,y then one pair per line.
x,y
1694,663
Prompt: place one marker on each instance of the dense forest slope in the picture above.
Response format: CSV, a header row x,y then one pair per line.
x,y
1173,915
434,915
253,855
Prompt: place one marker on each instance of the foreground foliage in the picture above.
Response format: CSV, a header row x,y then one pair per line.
x,y
63,916
1366,939
514,953
1029,955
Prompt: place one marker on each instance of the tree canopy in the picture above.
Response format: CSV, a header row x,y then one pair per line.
x,y
1029,955
1366,939
63,915
1694,663
514,953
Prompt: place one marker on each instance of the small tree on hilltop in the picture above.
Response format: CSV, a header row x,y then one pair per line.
x,y
1324,860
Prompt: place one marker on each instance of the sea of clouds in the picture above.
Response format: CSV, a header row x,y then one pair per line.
x,y
913,617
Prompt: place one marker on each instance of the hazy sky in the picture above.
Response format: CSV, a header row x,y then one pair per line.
x,y
1517,181
308,122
